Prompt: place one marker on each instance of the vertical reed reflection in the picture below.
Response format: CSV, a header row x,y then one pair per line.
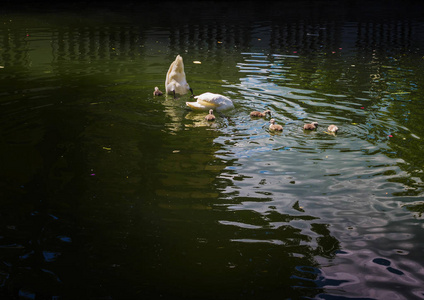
x,y
95,48
14,49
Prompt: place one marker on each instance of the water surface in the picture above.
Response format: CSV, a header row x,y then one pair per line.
x,y
108,192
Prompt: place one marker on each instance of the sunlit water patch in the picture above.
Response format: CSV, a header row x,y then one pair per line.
x,y
349,178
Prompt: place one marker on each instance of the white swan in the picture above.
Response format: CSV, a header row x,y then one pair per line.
x,y
175,81
208,101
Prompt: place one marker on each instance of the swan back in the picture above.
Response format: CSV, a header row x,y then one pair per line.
x,y
213,101
175,78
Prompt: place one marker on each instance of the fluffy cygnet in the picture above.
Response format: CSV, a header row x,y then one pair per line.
x,y
332,128
157,92
210,116
275,127
310,126
259,114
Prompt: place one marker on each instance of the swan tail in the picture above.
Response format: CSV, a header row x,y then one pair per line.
x,y
196,106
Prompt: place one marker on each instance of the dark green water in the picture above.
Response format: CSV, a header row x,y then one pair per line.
x,y
108,192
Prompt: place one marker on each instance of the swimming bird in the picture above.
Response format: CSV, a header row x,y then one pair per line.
x,y
332,128
157,92
259,114
176,82
275,127
311,126
208,101
210,117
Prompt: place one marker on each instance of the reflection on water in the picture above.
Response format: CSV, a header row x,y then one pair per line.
x,y
110,192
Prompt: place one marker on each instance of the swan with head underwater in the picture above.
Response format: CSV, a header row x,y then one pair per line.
x,y
175,82
207,101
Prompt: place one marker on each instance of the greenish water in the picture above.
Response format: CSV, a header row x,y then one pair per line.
x,y
108,192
